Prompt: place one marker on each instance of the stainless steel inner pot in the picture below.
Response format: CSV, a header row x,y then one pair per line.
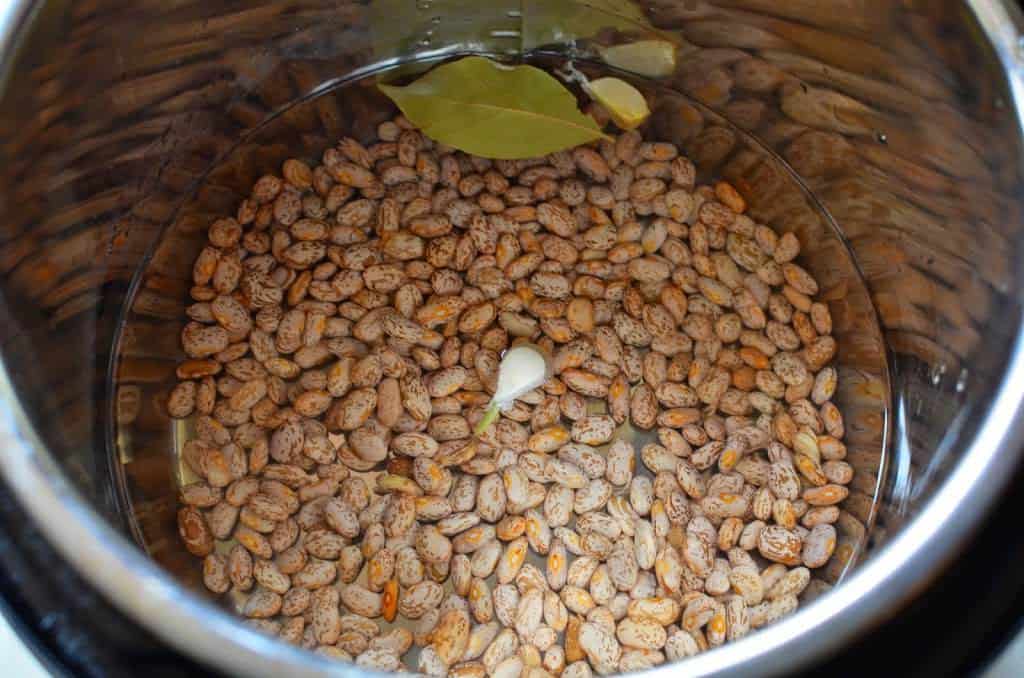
x,y
889,130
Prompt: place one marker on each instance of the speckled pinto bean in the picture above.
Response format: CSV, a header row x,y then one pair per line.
x,y
345,336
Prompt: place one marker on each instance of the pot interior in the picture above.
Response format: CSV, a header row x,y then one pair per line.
x,y
884,138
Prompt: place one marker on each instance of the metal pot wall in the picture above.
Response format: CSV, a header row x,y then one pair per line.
x,y
901,120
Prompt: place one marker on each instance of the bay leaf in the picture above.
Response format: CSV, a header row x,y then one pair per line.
x,y
494,111
405,30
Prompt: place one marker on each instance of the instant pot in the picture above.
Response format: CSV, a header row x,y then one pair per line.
x,y
886,134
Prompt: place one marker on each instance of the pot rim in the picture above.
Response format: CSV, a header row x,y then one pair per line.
x,y
873,591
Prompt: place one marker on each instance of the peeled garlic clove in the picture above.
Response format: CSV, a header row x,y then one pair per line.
x,y
522,369
624,103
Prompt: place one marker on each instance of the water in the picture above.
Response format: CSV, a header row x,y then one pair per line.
x,y
149,446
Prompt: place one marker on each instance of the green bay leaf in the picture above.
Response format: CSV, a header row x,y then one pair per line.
x,y
494,111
